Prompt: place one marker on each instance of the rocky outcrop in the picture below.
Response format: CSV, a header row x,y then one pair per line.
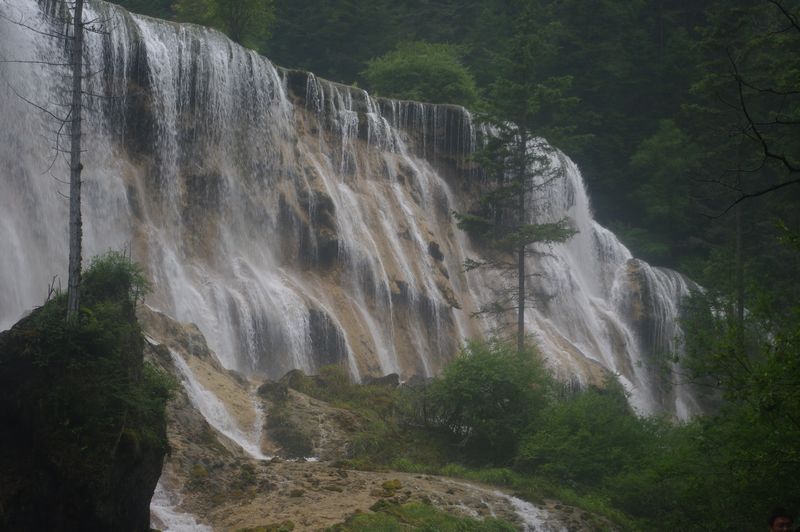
x,y
300,426
83,439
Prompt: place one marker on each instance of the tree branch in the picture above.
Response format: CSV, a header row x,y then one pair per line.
x,y
753,132
789,16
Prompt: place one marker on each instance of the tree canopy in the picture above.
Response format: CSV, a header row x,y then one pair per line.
x,y
423,72
247,22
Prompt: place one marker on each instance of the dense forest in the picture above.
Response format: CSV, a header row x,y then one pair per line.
x,y
684,118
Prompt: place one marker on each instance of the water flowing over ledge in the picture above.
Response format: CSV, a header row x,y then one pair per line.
x,y
296,221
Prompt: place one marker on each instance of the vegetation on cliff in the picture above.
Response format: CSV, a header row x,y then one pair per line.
x,y
422,71
84,417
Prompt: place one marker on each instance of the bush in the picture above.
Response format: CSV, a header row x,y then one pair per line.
x,y
294,441
423,72
586,438
488,397
114,277
94,372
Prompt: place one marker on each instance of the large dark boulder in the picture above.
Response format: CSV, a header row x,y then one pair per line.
x,y
83,433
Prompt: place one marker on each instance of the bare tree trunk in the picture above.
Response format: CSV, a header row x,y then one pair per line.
x,y
739,280
521,307
75,166
522,220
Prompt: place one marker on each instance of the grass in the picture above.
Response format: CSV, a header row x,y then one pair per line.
x,y
390,517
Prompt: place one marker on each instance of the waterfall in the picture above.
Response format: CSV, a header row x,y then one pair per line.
x,y
296,221
168,518
216,414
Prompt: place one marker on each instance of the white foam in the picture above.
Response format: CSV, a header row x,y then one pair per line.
x,y
165,517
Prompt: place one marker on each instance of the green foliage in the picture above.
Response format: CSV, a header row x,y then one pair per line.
x,y
389,418
524,234
668,159
100,386
586,447
153,8
113,276
525,91
334,385
753,366
392,485
589,436
748,364
487,397
524,102
649,244
81,391
247,22
416,516
516,168
334,39
423,72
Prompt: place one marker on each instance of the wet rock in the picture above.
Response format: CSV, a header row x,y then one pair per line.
x,y
273,391
67,460
326,339
392,380
294,379
434,251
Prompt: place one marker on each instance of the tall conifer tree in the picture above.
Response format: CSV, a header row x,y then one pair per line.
x,y
516,163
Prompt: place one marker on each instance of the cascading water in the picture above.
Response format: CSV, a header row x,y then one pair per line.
x,y
215,412
296,221
168,518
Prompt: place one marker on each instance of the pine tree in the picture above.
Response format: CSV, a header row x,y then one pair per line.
x,y
516,163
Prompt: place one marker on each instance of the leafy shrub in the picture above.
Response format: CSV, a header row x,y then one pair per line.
x,y
407,466
585,438
295,442
423,72
96,379
488,397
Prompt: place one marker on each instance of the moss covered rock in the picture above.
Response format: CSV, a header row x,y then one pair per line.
x,y
84,430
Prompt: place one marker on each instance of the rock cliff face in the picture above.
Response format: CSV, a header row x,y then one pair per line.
x,y
296,221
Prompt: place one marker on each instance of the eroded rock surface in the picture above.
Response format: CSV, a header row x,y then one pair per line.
x,y
212,477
